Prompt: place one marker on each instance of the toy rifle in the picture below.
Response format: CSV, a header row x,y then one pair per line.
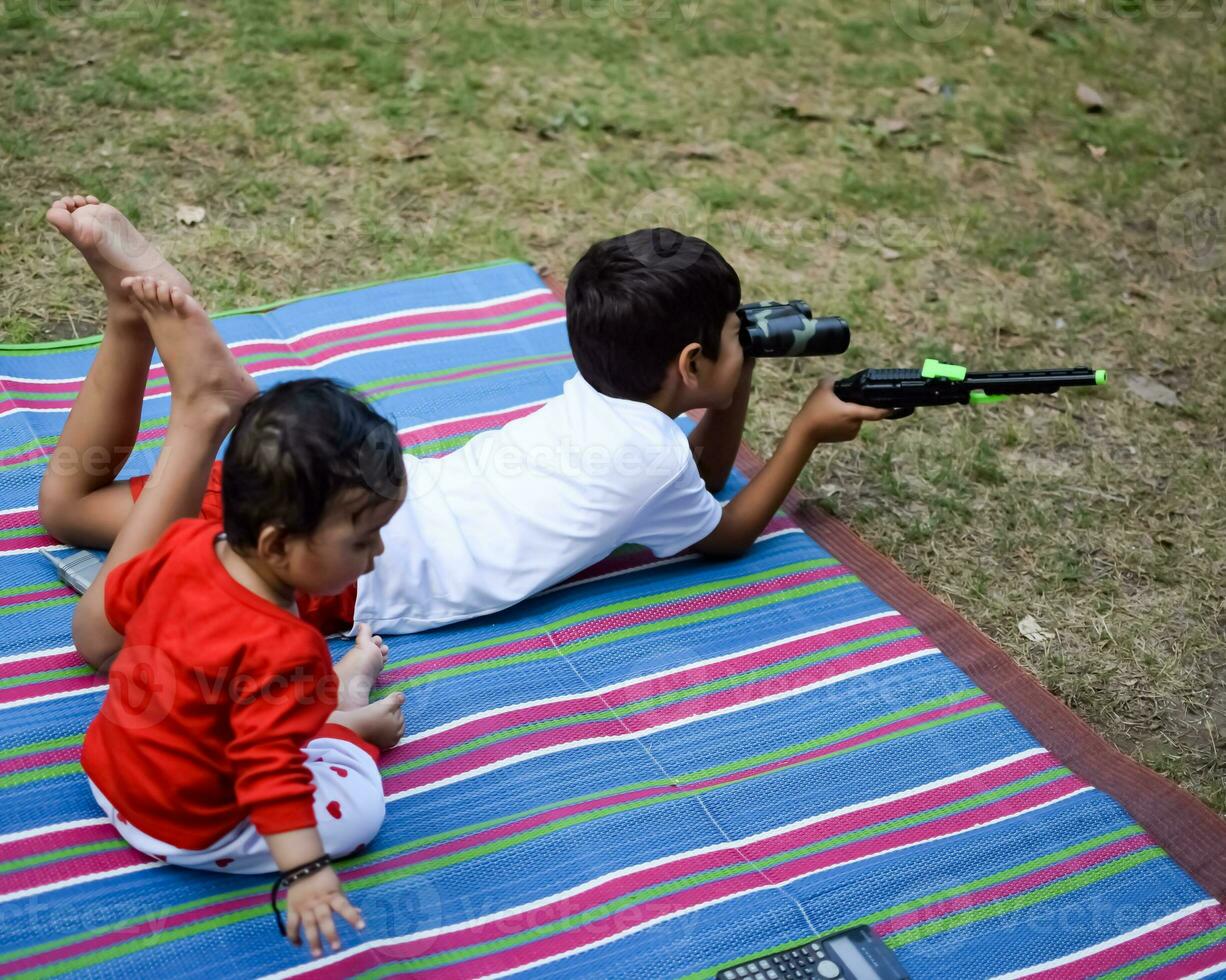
x,y
906,389
774,329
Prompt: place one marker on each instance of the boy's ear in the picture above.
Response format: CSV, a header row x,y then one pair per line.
x,y
687,364
272,544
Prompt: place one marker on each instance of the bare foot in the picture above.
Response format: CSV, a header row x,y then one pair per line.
x,y
358,669
381,723
207,384
114,249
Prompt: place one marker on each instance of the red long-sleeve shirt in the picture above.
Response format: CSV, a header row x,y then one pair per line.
x,y
211,699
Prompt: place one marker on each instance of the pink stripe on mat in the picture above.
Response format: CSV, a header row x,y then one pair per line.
x,y
698,863
549,738
17,600
127,933
434,431
527,823
35,665
60,685
43,843
22,544
50,757
470,373
1153,941
159,385
1189,966
1015,886
624,919
595,627
480,312
635,691
77,867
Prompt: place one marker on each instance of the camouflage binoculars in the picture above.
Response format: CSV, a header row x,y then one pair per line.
x,y
771,329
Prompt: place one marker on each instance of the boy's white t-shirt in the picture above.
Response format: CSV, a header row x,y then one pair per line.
x,y
522,507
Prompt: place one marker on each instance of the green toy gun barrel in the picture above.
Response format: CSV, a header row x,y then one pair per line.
x,y
906,389
771,329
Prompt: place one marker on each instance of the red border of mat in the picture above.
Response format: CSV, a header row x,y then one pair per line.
x,y
1191,833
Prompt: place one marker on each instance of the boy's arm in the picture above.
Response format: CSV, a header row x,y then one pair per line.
x,y
717,436
824,417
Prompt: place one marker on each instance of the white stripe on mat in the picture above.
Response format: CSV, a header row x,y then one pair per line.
x,y
338,325
677,723
668,859
1108,943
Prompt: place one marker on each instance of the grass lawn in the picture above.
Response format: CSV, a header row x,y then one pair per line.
x,y
992,221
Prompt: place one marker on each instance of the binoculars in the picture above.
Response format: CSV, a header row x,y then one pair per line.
x,y
771,329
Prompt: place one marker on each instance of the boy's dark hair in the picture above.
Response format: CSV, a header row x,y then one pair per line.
x,y
635,301
296,446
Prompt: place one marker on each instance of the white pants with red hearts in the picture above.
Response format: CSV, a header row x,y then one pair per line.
x,y
349,809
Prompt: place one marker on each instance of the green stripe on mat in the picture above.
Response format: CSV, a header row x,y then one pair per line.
x,y
690,881
1165,956
659,700
374,857
58,345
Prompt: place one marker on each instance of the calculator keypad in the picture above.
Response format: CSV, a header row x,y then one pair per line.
x,y
809,961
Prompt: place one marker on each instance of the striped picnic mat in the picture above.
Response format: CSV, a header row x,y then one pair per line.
x,y
654,769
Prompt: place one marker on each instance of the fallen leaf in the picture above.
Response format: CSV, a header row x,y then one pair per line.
x,y
1089,98
189,214
1154,392
406,148
989,51
983,153
928,84
804,109
1097,152
890,254
1035,633
891,125
696,151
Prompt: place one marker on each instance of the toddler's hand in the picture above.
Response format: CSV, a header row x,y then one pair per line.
x,y
310,902
825,417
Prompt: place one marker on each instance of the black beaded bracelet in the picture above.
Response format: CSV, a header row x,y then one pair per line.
x,y
287,878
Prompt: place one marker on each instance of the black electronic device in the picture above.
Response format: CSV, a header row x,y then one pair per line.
x,y
853,954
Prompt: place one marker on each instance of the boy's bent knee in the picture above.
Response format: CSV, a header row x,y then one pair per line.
x,y
56,512
95,645
91,520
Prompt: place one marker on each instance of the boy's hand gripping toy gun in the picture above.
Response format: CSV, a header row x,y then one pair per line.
x,y
771,329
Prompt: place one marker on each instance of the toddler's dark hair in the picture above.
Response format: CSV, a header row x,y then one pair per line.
x,y
635,301
296,447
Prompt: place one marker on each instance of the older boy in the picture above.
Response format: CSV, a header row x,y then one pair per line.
x,y
654,331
